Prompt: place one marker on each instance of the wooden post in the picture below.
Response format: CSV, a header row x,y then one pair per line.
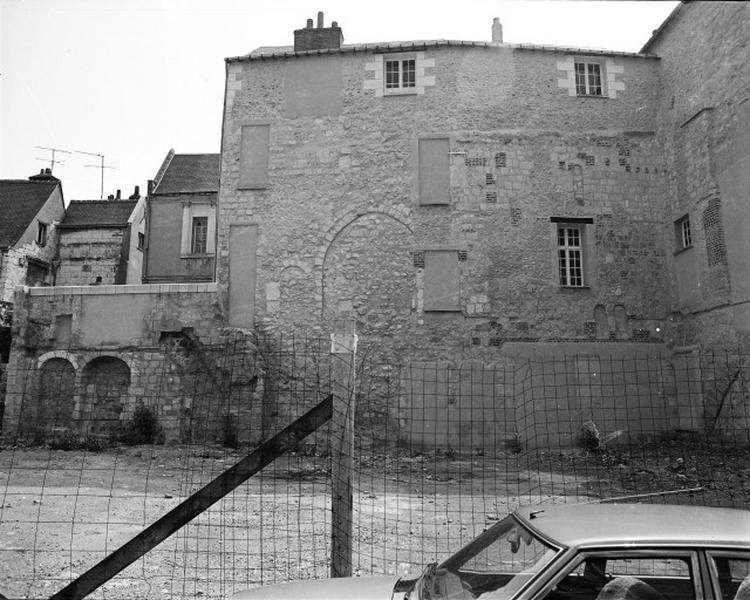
x,y
343,353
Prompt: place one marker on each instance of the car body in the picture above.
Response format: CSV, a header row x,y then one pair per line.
x,y
572,552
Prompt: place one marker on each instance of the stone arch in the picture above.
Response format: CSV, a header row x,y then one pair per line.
x,y
105,382
57,392
367,272
69,356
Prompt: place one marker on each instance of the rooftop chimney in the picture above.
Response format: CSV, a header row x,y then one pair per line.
x,y
497,31
136,193
44,175
318,38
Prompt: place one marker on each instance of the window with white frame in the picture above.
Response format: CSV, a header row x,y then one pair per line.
x,y
400,74
589,80
682,234
198,229
570,254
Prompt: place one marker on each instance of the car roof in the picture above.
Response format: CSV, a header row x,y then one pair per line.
x,y
577,525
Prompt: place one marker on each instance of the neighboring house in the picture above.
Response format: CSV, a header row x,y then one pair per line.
x,y
94,244
30,212
180,235
450,196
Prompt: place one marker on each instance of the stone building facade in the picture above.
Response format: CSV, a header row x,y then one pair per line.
x,y
95,242
447,196
703,130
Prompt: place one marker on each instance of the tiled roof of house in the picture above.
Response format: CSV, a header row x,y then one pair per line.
x,y
96,214
189,173
265,52
20,201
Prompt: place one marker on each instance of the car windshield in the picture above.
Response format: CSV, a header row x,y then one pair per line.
x,y
494,566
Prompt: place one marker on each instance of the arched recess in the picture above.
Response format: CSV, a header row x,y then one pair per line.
x,y
105,381
368,274
57,382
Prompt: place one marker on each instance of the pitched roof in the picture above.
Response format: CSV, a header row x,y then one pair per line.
x,y
189,173
266,52
96,214
20,201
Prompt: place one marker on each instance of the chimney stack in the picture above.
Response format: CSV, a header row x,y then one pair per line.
x,y
318,38
497,31
118,196
136,193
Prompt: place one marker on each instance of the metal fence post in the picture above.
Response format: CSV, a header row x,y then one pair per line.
x,y
343,351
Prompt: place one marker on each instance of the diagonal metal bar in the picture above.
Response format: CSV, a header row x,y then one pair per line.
x,y
152,536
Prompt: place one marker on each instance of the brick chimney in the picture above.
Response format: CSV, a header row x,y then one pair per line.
x,y
44,175
318,38
497,31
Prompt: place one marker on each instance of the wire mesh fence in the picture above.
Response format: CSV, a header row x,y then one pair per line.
x,y
98,445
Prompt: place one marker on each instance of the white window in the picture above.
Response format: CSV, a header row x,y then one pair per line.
x,y
682,234
400,74
570,255
41,234
198,225
588,78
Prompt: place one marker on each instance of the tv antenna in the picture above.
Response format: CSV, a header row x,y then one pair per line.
x,y
102,166
52,160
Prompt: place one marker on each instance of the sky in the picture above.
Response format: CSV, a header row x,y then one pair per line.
x,y
130,79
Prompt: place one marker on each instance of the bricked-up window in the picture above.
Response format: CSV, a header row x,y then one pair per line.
x,y
199,235
41,234
441,289
400,74
570,255
588,78
254,156
434,171
682,233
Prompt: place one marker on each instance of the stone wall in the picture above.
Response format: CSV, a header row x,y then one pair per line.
x,y
89,256
83,359
342,232
702,125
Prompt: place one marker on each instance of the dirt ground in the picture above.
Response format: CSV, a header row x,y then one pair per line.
x,y
63,511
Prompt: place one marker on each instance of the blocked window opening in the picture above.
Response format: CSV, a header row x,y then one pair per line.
x,y
36,272
106,382
588,78
434,170
254,148
682,233
570,255
56,394
441,285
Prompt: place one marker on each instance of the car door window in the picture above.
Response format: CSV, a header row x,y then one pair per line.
x,y
627,576
732,576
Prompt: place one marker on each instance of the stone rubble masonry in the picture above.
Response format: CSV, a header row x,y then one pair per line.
x,y
88,254
14,262
339,222
170,336
699,126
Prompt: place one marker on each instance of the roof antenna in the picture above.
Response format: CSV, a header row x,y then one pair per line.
x,y
52,160
102,167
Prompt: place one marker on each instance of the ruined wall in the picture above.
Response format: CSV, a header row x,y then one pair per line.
x,y
14,261
342,231
89,256
703,124
83,358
